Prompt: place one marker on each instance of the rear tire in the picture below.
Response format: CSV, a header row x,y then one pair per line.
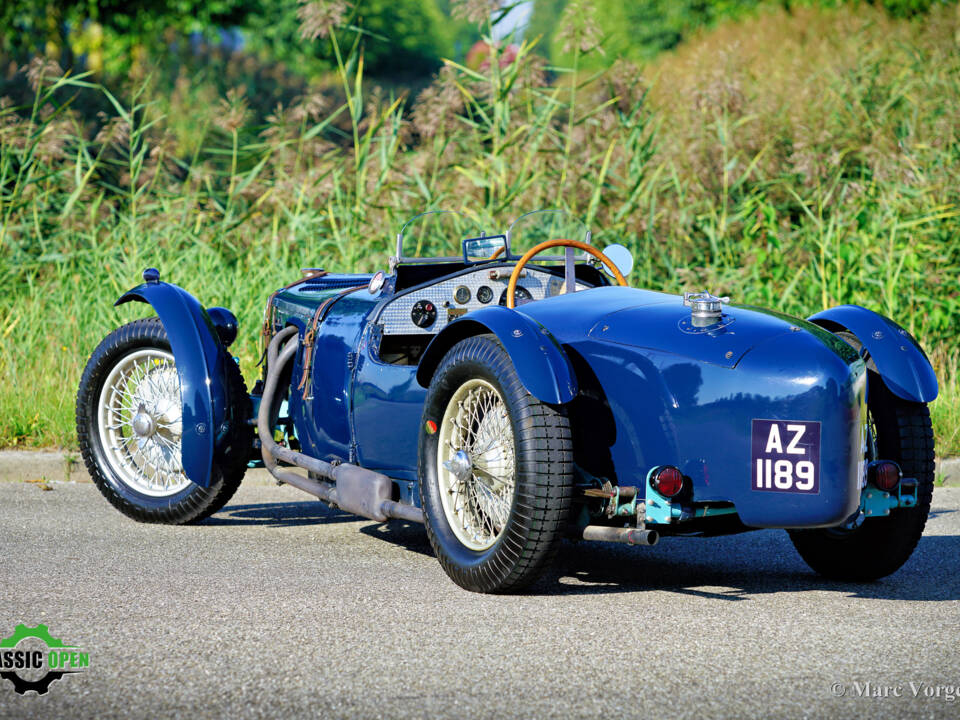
x,y
880,546
497,524
137,350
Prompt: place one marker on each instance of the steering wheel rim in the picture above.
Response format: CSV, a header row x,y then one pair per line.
x,y
546,245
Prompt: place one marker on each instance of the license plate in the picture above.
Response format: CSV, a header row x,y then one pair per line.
x,y
786,456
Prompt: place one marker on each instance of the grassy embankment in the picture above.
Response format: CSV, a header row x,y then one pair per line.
x,y
795,161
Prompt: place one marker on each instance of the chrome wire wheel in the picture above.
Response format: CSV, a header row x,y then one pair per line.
x,y
476,464
140,423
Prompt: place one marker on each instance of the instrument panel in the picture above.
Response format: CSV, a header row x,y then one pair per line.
x,y
428,310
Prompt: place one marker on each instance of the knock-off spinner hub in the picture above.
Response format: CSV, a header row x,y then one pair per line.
x,y
143,424
460,465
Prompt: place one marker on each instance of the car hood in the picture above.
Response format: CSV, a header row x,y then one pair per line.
x,y
660,321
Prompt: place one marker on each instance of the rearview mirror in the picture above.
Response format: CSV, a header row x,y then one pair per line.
x,y
483,248
619,256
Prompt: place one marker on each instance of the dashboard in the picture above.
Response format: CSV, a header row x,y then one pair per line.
x,y
430,309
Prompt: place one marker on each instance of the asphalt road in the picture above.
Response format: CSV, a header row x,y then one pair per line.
x,y
279,607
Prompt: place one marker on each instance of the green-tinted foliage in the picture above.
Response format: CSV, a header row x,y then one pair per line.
x,y
30,24
794,160
462,34
402,38
543,21
640,29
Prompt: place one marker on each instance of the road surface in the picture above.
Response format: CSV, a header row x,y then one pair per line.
x,y
278,606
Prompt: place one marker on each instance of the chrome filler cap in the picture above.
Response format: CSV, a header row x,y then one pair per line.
x,y
705,309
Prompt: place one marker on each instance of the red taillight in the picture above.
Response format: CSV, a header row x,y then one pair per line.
x,y
668,481
885,475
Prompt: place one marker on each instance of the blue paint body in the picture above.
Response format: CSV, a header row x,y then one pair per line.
x,y
898,356
540,362
644,386
201,359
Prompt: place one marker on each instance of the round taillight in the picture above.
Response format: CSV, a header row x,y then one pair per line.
x,y
668,481
886,475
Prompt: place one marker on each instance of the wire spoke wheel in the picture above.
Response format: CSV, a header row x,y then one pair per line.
x,y
130,429
496,470
476,464
140,422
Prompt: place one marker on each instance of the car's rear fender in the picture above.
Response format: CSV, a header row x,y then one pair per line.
x,y
540,361
898,357
201,364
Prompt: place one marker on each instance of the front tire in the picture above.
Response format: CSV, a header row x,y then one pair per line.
x,y
496,470
880,546
129,426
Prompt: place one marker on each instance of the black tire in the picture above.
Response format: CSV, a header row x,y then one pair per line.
x,y
544,477
191,504
880,546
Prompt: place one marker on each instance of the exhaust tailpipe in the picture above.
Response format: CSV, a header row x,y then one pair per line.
x,y
626,536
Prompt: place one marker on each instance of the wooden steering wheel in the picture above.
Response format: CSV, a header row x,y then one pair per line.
x,y
570,281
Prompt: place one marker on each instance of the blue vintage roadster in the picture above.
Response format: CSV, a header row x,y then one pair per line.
x,y
508,400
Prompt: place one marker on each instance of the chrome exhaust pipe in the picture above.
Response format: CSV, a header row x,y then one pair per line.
x,y
625,536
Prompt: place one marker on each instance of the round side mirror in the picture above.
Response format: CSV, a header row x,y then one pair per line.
x,y
621,257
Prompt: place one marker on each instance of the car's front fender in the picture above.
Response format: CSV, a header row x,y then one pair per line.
x,y
900,360
540,361
200,358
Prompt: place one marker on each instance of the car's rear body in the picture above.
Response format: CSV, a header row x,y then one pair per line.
x,y
653,390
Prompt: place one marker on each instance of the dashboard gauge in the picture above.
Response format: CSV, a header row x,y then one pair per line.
x,y
484,294
462,295
520,296
423,314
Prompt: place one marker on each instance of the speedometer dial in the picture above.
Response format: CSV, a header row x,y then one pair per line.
x,y
521,295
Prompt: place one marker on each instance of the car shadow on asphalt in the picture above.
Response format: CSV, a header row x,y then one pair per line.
x,y
289,514
279,514
739,568
412,536
733,568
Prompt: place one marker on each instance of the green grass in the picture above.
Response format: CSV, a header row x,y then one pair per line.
x,y
792,160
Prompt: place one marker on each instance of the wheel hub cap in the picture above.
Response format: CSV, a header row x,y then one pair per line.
x,y
460,465
143,425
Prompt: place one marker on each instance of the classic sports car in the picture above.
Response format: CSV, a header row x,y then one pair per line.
x,y
509,400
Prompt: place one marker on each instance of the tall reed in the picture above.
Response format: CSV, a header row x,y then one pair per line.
x,y
793,160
